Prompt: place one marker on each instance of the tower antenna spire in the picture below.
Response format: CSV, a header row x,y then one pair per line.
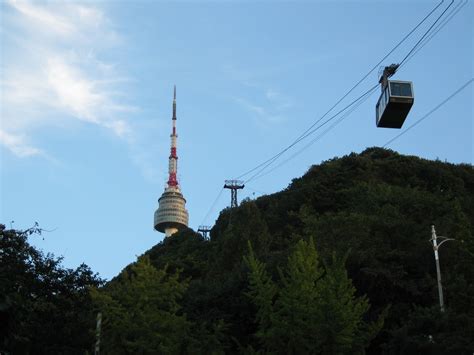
x,y
174,104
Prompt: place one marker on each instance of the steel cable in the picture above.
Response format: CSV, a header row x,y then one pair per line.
x,y
430,112
303,135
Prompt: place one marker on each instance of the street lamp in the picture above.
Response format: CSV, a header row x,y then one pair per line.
x,y
434,242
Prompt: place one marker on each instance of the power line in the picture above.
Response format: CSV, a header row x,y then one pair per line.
x,y
347,114
345,95
426,33
317,138
439,27
394,138
302,136
391,140
311,132
430,112
212,206
386,144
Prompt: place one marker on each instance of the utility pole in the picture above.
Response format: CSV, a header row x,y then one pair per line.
x,y
233,186
97,334
204,231
434,242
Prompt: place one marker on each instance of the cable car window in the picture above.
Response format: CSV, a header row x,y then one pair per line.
x,y
406,89
400,89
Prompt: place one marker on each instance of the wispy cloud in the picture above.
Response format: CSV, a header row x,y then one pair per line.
x,y
18,145
259,112
63,20
280,101
52,74
269,107
53,22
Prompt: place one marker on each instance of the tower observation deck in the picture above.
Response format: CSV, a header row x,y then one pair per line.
x,y
171,215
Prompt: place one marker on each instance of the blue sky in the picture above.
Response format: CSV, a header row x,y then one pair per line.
x,y
86,95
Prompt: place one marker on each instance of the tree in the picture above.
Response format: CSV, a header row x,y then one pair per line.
x,y
141,311
312,309
246,224
427,331
44,308
379,204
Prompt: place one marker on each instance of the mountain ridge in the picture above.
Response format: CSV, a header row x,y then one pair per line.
x,y
377,207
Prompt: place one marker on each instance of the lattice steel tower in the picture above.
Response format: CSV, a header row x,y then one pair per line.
x,y
171,215
233,186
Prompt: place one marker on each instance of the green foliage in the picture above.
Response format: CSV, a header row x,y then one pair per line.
x,y
262,291
246,224
427,331
187,251
380,205
377,204
141,311
370,214
44,308
312,310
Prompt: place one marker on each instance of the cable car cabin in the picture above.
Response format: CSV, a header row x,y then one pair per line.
x,y
394,104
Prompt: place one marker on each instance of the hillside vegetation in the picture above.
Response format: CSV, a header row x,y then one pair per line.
x,y
338,263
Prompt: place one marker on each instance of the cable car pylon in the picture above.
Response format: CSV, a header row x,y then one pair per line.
x,y
204,230
233,186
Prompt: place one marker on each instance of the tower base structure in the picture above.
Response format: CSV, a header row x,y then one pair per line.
x,y
170,231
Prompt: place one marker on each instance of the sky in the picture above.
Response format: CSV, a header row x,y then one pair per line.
x,y
86,105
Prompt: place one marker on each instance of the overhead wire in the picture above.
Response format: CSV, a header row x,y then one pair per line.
x,y
439,27
311,131
426,33
437,107
212,206
430,112
318,137
427,36
302,136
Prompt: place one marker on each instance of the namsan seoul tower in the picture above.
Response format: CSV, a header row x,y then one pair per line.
x,y
171,215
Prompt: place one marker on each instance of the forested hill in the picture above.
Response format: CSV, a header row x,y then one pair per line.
x,y
373,211
338,263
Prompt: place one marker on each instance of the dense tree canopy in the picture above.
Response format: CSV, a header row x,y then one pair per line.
x,y
44,307
141,311
312,310
340,263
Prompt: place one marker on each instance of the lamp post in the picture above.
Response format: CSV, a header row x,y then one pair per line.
x,y
434,242
97,334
